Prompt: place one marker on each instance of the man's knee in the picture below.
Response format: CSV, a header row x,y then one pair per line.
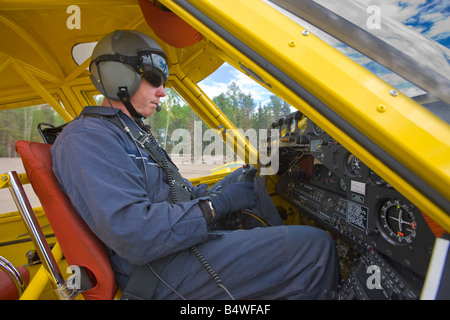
x,y
312,235
315,244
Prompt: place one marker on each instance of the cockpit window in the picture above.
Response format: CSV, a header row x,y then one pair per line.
x,y
82,51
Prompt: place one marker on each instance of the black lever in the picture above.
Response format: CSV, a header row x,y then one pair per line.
x,y
248,173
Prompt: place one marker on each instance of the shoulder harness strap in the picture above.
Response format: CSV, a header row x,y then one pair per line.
x,y
179,190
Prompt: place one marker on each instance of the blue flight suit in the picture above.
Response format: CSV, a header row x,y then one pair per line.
x,y
102,171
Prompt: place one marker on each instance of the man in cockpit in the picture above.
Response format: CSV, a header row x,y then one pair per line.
x,y
151,219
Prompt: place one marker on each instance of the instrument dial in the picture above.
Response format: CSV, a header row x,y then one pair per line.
x,y
397,222
317,173
353,165
317,130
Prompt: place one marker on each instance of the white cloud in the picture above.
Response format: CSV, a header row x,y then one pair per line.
x,y
213,88
246,85
392,10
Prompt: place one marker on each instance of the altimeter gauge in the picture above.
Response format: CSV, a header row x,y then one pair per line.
x,y
397,222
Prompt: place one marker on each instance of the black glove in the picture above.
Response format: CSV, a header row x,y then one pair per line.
x,y
235,197
199,190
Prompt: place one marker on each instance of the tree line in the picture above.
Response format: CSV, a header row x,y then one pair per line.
x,y
239,107
22,124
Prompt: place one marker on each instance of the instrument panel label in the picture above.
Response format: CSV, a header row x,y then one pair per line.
x,y
358,187
357,215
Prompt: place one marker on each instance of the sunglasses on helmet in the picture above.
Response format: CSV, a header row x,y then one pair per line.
x,y
153,67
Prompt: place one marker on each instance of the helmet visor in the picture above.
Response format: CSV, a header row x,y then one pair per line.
x,y
153,68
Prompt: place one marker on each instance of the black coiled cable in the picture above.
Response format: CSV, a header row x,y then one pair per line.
x,y
212,273
165,166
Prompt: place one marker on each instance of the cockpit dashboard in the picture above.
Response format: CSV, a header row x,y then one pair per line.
x,y
384,241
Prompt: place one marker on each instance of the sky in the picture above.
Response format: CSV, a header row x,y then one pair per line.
x,y
428,18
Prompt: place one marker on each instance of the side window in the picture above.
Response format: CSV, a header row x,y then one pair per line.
x,y
82,51
21,124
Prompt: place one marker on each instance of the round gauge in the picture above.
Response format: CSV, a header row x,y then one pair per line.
x,y
292,124
397,222
317,173
353,165
317,130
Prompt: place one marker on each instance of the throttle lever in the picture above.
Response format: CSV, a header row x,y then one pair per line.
x,y
248,173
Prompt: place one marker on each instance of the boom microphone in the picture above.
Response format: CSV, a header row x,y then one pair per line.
x,y
158,108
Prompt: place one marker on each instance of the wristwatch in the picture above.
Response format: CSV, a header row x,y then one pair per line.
x,y
213,211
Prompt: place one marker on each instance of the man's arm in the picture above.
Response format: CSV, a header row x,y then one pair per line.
x,y
104,183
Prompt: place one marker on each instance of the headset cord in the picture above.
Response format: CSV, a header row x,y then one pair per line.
x,y
163,281
213,274
165,166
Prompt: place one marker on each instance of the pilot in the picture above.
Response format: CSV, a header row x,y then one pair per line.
x,y
157,227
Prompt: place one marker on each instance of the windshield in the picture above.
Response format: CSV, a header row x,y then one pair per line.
x,y
405,43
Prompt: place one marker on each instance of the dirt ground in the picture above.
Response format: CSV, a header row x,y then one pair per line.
x,y
188,170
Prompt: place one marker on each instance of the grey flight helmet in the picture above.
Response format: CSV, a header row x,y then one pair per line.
x,y
121,59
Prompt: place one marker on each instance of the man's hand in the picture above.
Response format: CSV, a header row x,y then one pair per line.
x,y
235,197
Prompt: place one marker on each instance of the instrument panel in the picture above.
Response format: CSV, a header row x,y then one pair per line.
x,y
335,189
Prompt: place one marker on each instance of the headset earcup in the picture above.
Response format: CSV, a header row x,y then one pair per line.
x,y
114,75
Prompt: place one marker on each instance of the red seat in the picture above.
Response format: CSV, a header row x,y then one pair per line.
x,y
80,245
8,290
